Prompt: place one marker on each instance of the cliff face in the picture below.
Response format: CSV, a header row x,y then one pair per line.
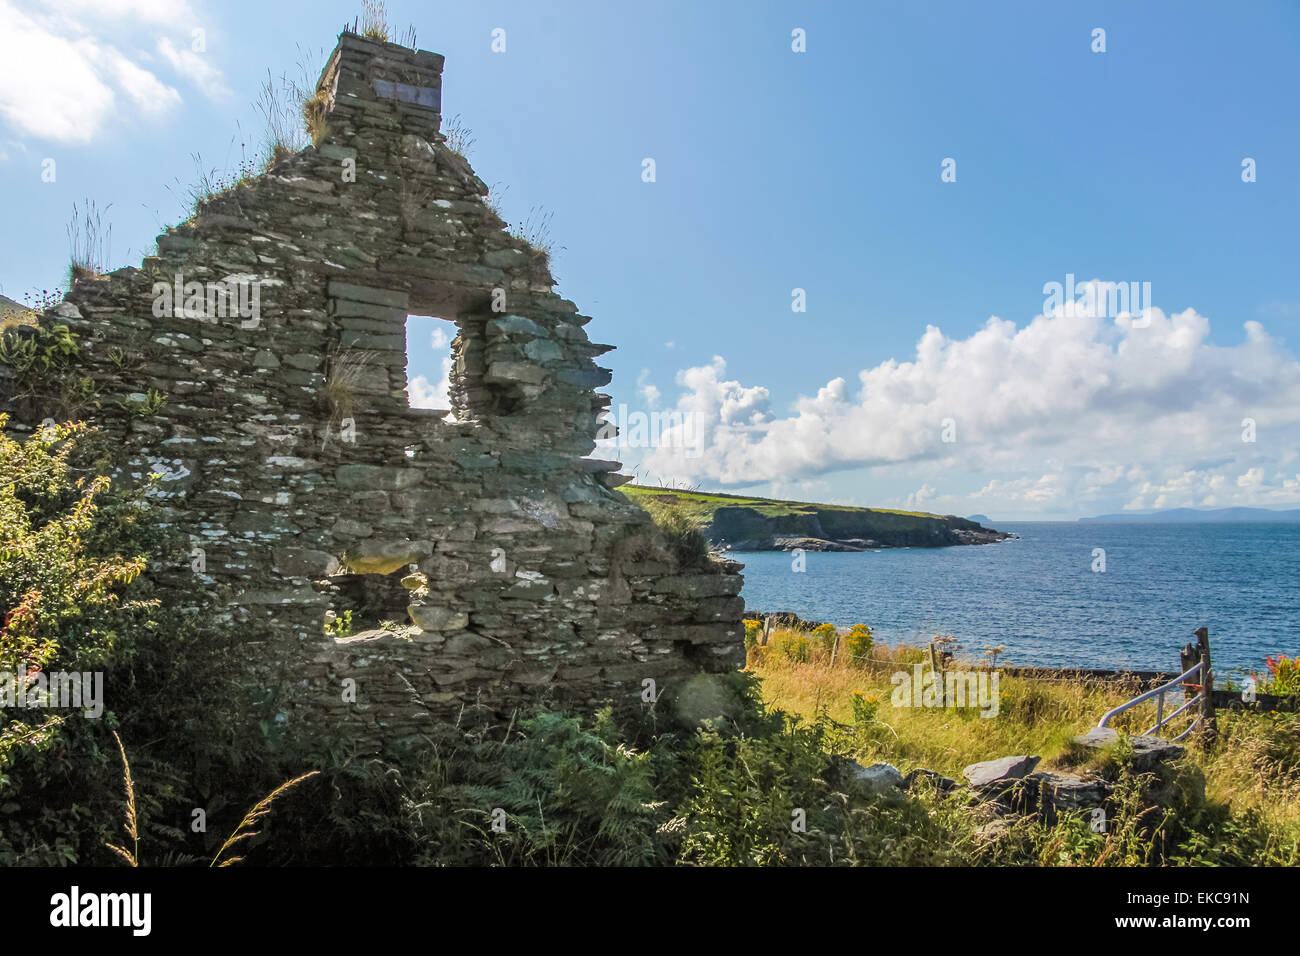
x,y
746,529
760,524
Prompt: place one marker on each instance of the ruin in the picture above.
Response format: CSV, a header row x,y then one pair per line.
x,y
273,325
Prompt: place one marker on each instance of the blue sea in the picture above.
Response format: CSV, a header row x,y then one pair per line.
x,y
1039,595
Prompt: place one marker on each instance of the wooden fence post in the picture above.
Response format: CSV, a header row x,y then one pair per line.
x,y
1188,656
1209,726
938,674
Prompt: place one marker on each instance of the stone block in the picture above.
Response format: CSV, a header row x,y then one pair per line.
x,y
430,618
1005,768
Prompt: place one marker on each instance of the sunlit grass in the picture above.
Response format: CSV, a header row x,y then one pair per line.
x,y
1032,718
1254,766
701,505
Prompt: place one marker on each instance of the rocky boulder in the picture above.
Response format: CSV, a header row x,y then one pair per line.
x,y
880,779
1148,752
1055,793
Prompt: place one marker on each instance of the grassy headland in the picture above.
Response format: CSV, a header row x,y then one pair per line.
x,y
759,524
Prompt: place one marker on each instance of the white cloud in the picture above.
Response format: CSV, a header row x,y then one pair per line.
x,y
1067,411
423,394
49,85
149,94
918,499
715,400
68,68
195,67
174,13
649,393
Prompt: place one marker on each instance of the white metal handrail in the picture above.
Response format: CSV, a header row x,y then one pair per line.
x,y
1159,694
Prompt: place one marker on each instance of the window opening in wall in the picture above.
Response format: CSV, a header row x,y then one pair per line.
x,y
429,362
369,599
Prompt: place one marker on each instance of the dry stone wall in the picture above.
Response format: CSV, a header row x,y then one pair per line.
x,y
274,324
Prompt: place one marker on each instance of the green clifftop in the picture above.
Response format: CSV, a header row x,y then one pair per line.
x,y
767,524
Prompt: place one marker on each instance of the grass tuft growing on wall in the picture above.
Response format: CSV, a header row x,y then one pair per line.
x,y
683,537
90,241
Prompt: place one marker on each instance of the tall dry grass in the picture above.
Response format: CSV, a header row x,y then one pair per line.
x,y
1254,767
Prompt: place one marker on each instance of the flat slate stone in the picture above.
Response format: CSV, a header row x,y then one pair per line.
x,y
1005,768
428,618
359,293
1147,751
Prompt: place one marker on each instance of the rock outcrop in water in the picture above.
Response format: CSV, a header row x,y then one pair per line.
x,y
818,529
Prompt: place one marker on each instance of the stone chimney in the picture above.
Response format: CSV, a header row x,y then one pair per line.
x,y
371,83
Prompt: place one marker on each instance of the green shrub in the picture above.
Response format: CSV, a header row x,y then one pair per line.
x,y
555,794
859,642
789,646
73,598
150,405
865,708
778,800
42,361
61,603
825,637
1283,676
64,605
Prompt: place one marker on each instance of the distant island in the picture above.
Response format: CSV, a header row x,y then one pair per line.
x,y
743,523
982,519
1195,515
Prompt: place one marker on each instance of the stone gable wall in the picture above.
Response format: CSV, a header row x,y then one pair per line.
x,y
289,451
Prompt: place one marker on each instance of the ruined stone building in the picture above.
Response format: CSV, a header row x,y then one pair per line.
x,y
273,324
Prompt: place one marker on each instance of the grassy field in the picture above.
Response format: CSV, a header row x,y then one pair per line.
x,y
1252,774
1034,717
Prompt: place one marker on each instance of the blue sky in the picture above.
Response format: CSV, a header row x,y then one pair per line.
x,y
819,170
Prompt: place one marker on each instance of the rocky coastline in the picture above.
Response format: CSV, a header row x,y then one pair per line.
x,y
964,536
810,534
